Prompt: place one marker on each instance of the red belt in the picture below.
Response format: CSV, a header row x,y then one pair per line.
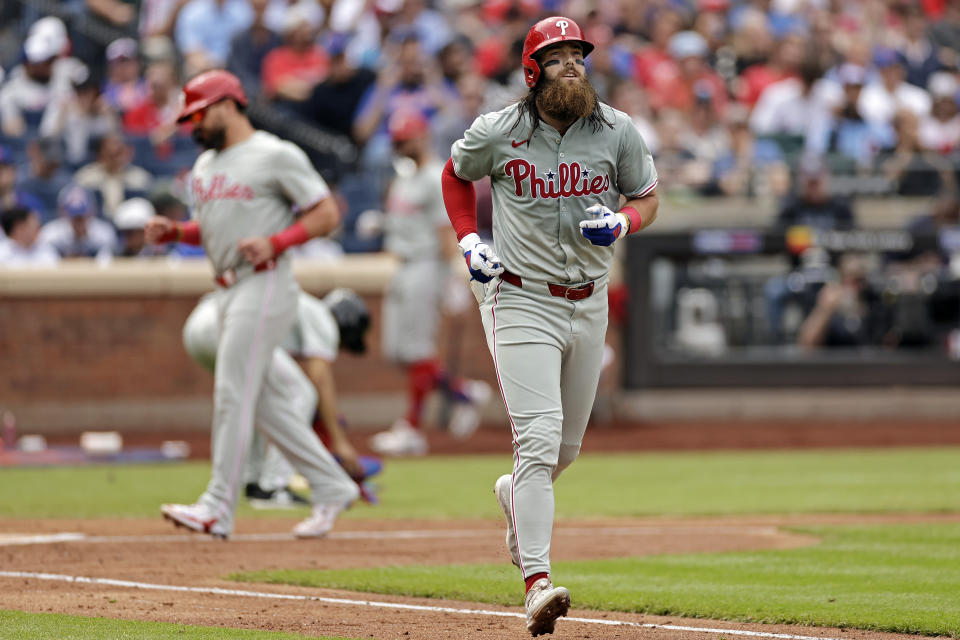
x,y
229,277
578,292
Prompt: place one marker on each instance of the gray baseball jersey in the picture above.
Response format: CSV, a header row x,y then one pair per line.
x,y
250,189
246,190
411,309
547,349
542,185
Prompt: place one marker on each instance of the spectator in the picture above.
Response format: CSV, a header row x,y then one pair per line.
x,y
456,60
409,82
689,78
788,107
10,195
291,71
205,29
250,47
159,17
21,246
45,176
919,55
750,167
631,99
682,170
105,18
848,312
334,101
82,117
156,114
130,221
785,63
77,232
112,176
881,99
846,134
912,170
654,60
124,88
449,125
31,89
940,130
428,26
813,205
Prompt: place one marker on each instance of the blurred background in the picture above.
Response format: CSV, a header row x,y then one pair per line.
x,y
808,153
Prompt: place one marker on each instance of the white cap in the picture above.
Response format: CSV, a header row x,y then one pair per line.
x,y
943,84
40,47
53,28
133,214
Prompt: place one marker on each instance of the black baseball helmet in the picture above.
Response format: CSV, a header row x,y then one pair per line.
x,y
352,316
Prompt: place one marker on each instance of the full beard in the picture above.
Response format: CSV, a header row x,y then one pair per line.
x,y
567,101
211,139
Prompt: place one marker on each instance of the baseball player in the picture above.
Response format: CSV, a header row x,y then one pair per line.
x,y
559,161
417,232
340,320
245,187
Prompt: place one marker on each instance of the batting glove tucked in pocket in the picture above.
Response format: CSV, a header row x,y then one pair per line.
x,y
483,263
605,226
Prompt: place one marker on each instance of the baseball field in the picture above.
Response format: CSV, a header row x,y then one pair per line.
x,y
793,544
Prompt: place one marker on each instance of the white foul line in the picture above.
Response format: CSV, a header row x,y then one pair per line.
x,y
387,605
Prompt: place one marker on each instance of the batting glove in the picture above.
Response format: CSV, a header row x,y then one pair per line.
x,y
605,226
483,263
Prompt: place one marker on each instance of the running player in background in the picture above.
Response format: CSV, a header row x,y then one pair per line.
x,y
560,162
322,328
245,187
418,233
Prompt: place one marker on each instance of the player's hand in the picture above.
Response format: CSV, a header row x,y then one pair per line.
x,y
483,263
348,458
159,229
604,227
256,251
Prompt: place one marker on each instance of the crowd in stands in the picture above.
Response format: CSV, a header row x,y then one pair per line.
x,y
734,97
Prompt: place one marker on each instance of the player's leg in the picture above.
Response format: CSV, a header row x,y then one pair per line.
x,y
522,334
580,372
286,423
255,314
410,319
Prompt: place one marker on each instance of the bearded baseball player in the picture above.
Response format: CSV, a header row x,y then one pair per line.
x,y
560,161
245,187
322,328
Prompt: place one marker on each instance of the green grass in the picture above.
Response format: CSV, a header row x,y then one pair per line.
x,y
16,625
890,578
689,483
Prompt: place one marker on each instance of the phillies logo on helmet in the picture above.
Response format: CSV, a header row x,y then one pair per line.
x,y
568,180
545,33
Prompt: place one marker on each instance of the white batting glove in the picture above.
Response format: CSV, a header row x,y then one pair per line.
x,y
483,263
605,226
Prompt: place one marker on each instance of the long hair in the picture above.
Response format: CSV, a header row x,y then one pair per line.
x,y
528,105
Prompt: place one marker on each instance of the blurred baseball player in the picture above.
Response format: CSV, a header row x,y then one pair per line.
x,y
245,187
322,328
559,161
418,233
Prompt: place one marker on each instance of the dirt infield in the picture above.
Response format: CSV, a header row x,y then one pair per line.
x,y
153,557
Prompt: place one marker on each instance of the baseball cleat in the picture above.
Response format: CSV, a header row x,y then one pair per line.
x,y
502,490
545,603
320,521
278,499
195,517
400,440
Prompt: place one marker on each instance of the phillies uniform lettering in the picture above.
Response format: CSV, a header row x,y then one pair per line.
x,y
569,180
220,189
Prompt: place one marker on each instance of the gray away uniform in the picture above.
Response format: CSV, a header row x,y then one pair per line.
x,y
547,350
248,190
314,335
411,312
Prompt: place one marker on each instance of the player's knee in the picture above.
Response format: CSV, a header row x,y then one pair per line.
x,y
568,453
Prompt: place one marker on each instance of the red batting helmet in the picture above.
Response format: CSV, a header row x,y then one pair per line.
x,y
208,88
406,124
545,33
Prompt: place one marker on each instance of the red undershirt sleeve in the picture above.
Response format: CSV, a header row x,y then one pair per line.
x,y
460,199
